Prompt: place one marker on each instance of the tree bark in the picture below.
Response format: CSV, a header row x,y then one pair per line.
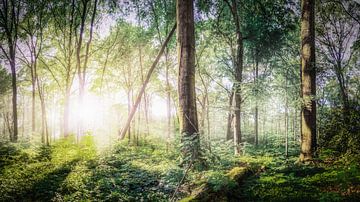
x,y
69,71
238,68
66,108
14,94
256,103
186,80
308,80
168,100
286,121
229,132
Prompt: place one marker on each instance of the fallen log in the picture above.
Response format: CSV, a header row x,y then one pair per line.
x,y
205,192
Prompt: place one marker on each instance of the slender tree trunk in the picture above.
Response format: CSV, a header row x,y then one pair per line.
x,y
4,124
146,110
33,100
294,124
238,68
22,109
308,80
168,100
9,126
142,90
129,110
208,119
229,132
144,100
263,126
44,124
342,87
82,68
186,83
202,117
67,109
286,122
24,104
138,129
14,94
256,104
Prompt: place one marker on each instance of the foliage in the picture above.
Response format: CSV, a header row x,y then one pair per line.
x,y
339,131
5,81
71,172
326,181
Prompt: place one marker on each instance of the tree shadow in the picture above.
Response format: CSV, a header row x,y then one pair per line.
x,y
117,180
302,171
46,188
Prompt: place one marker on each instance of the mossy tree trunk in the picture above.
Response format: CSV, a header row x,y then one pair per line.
x,y
308,81
186,79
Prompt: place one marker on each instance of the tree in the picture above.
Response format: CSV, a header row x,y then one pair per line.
x,y
33,29
162,7
82,65
308,80
336,34
9,26
265,27
64,29
186,80
238,69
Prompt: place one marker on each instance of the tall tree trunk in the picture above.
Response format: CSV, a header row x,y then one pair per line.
x,y
66,109
342,86
263,126
168,100
82,68
186,80
308,80
44,124
286,121
14,94
294,124
144,101
208,119
229,132
256,103
69,77
238,68
33,100
129,110
23,103
10,12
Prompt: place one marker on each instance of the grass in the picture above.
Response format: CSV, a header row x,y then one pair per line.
x,y
73,172
67,171
326,179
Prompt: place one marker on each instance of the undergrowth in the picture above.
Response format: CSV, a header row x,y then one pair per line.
x,y
69,171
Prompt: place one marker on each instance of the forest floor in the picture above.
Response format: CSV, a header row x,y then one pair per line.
x,y
77,172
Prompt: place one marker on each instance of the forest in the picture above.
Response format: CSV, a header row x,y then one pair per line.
x,y
180,100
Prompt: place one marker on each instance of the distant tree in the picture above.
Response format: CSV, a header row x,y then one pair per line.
x,y
88,9
337,34
64,24
32,31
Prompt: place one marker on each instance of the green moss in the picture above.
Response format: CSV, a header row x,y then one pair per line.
x,y
188,199
237,173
